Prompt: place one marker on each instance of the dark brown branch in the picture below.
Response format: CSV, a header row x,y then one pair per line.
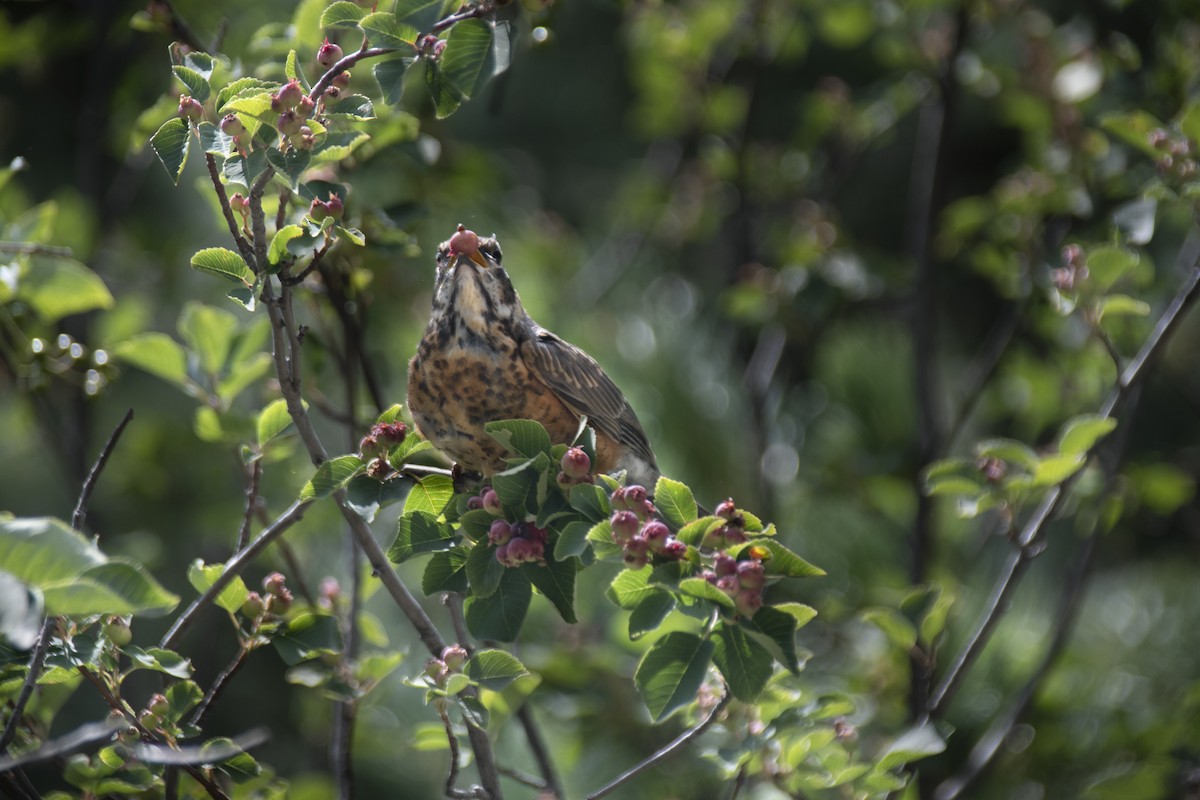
x,y
218,685
1028,541
89,484
346,62
292,280
243,537
233,567
541,753
36,662
664,753
235,231
452,789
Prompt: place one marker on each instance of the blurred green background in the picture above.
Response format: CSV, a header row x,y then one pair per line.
x,y
722,202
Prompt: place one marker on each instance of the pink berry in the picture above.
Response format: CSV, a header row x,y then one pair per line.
x,y
464,242
748,602
751,574
656,535
239,204
342,79
637,552
329,54
635,496
289,122
280,602
289,95
624,525
728,584
454,656
725,564
474,502
726,509
439,47
231,125
502,554
318,210
274,583
190,108
500,532
335,206
575,463
491,502
520,550
674,549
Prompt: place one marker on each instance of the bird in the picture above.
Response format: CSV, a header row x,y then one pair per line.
x,y
483,358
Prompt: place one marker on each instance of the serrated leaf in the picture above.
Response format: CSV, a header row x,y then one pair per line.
x,y
199,62
279,242
523,437
631,587
494,669
421,13
223,262
59,287
420,532
366,495
384,30
292,163
182,696
156,353
342,14
167,662
466,50
591,501
746,665
338,145
446,572
331,476
243,87
572,541
671,672
1079,434
390,76
694,532
430,495
244,170
699,587
675,502
779,624
291,68
351,106
195,83
214,140
499,616
484,572
447,97
556,580
782,561
650,612
202,576
273,420
307,635
171,143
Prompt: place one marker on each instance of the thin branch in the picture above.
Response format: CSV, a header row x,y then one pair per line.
x,y
666,752
243,537
292,280
453,601
235,230
35,249
452,789
1028,541
981,369
541,753
296,572
258,223
36,663
532,781
234,567
346,62
218,685
180,29
89,484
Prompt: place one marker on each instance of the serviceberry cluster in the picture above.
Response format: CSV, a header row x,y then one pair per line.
x,y
1074,270
439,670
576,469
640,535
332,208
517,543
374,447
294,107
741,580
1176,160
275,601
733,532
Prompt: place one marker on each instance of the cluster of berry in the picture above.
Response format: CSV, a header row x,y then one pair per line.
x,y
638,532
439,670
517,543
275,600
743,581
1074,272
374,447
1176,160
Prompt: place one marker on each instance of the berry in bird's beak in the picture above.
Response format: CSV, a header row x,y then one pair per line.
x,y
466,243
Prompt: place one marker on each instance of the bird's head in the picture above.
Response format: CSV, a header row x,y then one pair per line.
x,y
472,288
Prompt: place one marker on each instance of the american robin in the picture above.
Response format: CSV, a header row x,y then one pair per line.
x,y
483,358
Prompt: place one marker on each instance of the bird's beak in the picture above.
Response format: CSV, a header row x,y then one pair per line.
x,y
475,256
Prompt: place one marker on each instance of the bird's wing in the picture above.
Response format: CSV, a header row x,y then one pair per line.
x,y
584,387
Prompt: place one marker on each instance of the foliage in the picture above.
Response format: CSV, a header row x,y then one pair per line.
x,y
895,276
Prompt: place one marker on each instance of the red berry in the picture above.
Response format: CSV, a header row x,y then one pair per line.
x,y
305,107
502,554
280,602
474,502
726,509
725,564
636,496
637,552
329,54
190,108
335,207
390,433
656,535
520,550
751,574
491,502
231,125
289,95
728,584
674,549
624,525
368,446
274,583
500,532
575,463
734,534
748,602
289,122
439,47
464,242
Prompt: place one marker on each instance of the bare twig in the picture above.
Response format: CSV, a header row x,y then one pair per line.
x,y
218,685
255,476
292,280
525,778
233,567
1028,541
35,249
346,62
35,670
235,230
541,753
664,753
452,789
89,484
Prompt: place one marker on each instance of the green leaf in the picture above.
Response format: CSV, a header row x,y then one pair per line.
x,y
782,561
494,669
591,501
1056,469
1107,265
195,83
292,163
746,665
331,476
156,353
499,616
447,572
44,550
430,495
674,502
572,541
167,662
779,624
671,671
1009,450
171,143
182,696
699,587
650,612
279,242
210,332
466,49
352,235
484,572
1079,434
244,87
420,532
225,263
307,635
202,576
342,14
59,287
272,421
523,437
914,744
291,68
244,170
390,76
1120,305
352,106
338,145
243,373
383,30
421,13
556,580
412,444
214,140
1133,128
115,587
694,532
200,62
631,587
366,495
899,629
446,96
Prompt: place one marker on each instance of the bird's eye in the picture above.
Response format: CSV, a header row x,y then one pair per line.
x,y
491,248
443,258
